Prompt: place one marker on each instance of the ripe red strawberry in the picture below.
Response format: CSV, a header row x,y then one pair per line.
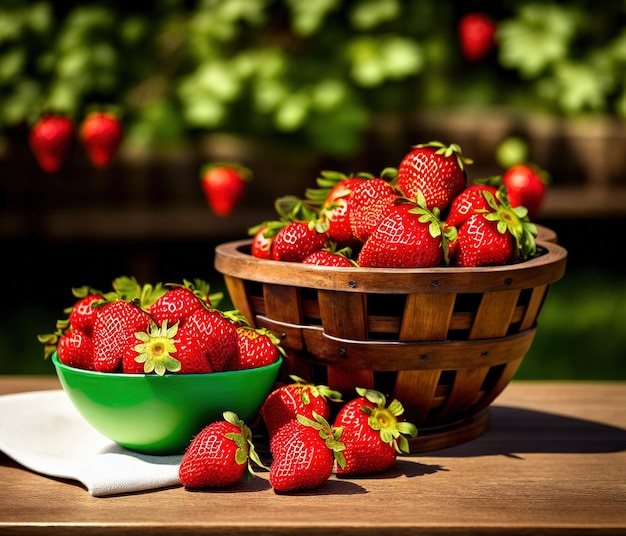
x,y
476,35
83,314
409,237
101,134
525,186
256,347
178,302
304,452
468,202
219,455
114,332
223,186
50,139
371,200
372,434
335,211
296,241
75,349
503,235
323,257
481,243
284,403
437,170
207,337
261,246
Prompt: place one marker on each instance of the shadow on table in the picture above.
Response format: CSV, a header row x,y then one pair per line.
x,y
515,431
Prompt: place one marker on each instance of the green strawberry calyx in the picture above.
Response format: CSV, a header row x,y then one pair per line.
x,y
515,221
384,419
156,347
308,389
448,150
243,440
330,434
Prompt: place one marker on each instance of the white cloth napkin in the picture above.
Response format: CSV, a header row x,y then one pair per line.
x,y
42,431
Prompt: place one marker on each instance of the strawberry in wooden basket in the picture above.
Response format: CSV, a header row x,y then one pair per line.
x,y
219,455
437,170
372,433
303,454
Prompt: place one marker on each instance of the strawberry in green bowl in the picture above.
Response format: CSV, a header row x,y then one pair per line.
x,y
150,366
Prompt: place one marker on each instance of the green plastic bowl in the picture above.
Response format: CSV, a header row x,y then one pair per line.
x,y
161,414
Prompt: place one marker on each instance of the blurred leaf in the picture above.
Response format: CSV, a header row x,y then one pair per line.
x,y
368,14
308,17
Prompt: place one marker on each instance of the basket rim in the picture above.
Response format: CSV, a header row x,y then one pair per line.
x,y
234,260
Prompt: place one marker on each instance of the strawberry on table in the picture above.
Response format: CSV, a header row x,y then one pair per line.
x,y
288,401
101,134
223,185
50,139
219,455
476,35
303,454
437,170
372,433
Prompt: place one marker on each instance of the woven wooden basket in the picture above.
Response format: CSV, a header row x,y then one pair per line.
x,y
444,341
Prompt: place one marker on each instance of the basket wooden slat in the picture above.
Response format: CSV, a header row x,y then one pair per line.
x,y
444,341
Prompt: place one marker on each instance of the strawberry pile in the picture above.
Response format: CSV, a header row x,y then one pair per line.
x,y
424,213
365,438
165,328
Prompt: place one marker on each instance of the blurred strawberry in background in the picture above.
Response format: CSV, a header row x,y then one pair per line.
x,y
50,139
223,185
101,134
525,186
476,35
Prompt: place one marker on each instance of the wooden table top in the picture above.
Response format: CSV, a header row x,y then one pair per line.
x,y
553,461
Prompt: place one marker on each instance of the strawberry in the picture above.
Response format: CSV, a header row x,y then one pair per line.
x,y
372,434
207,342
503,235
75,349
476,33
336,207
409,237
469,201
481,243
371,200
303,454
219,455
101,134
437,170
261,246
50,139
178,302
223,186
83,314
525,186
256,347
284,403
324,257
114,332
297,240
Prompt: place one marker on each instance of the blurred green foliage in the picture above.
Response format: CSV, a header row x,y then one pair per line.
x,y
306,74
